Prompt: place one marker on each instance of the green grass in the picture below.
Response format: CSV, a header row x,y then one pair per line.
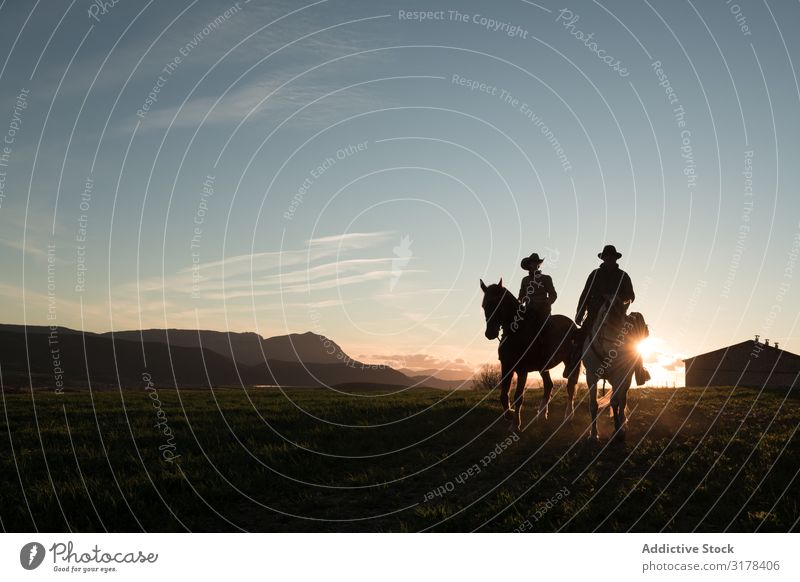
x,y
260,461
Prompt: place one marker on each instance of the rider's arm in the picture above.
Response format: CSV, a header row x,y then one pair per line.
x,y
584,297
627,289
523,289
551,290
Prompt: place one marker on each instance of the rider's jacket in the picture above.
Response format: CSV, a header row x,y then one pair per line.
x,y
607,280
537,291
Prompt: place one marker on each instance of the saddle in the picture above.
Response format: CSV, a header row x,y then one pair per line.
x,y
632,326
632,329
639,329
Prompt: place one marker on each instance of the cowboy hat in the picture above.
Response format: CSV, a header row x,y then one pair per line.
x,y
526,262
609,250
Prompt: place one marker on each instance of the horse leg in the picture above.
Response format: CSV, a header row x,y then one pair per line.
x,y
572,382
505,386
619,395
620,417
547,384
519,397
572,372
591,381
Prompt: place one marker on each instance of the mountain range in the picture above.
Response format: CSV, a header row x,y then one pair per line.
x,y
60,356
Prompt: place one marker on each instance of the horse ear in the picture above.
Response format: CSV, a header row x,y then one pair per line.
x,y
483,286
501,282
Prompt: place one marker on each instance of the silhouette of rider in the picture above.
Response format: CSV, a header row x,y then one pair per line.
x,y
606,282
536,292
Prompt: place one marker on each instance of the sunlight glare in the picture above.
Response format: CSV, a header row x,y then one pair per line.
x,y
646,346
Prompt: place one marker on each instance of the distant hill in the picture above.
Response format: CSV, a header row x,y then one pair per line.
x,y
246,348
241,347
40,329
80,360
176,356
452,375
435,382
306,347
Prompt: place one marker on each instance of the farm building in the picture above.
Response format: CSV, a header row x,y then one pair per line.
x,y
749,363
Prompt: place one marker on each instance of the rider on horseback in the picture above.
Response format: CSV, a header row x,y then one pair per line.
x,y
604,283
536,293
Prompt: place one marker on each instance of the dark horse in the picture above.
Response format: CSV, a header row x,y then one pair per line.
x,y
524,348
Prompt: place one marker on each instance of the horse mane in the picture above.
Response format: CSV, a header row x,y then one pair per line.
x,y
505,294
508,295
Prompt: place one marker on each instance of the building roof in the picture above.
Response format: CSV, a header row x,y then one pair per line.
x,y
757,356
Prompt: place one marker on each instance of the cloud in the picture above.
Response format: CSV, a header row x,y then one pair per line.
x,y
350,239
230,108
253,274
305,289
673,363
320,271
456,369
280,97
35,252
420,361
316,248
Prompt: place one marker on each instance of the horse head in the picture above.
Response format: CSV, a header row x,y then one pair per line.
x,y
496,307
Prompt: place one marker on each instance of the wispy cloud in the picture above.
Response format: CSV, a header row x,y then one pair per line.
x,y
317,272
420,362
304,289
254,100
273,273
348,239
34,251
423,364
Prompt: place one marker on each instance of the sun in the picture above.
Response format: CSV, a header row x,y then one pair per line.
x,y
647,346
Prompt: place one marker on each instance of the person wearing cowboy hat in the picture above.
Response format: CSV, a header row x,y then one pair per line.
x,y
536,292
607,281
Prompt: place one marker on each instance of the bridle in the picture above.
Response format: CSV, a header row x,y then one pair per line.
x,y
497,312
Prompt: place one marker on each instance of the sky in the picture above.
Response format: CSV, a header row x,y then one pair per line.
x,y
354,168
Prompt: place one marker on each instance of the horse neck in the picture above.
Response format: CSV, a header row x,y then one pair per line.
x,y
508,310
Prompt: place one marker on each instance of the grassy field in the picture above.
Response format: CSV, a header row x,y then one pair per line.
x,y
315,460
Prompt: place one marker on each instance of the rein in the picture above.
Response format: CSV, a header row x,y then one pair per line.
x,y
506,326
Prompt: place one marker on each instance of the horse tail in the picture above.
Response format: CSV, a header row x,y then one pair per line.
x,y
604,401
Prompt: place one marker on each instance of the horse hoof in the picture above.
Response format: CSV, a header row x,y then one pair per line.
x,y
593,439
509,414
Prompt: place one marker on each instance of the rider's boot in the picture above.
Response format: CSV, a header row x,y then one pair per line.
x,y
641,373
